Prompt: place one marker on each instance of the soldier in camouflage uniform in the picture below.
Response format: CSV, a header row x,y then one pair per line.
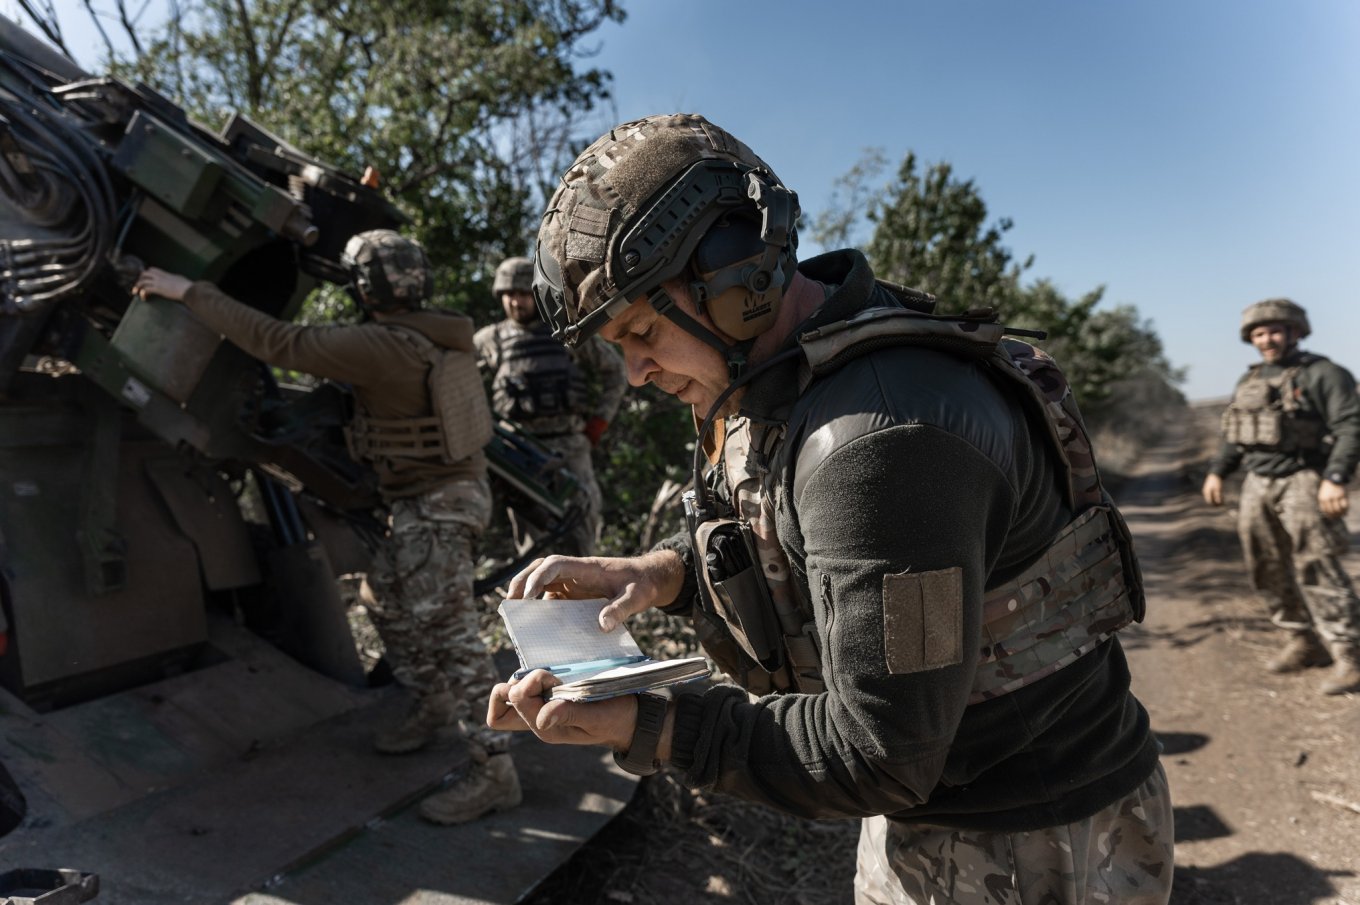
x,y
1294,424
902,553
421,420
565,397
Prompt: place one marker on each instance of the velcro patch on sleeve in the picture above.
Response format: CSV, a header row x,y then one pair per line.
x,y
923,620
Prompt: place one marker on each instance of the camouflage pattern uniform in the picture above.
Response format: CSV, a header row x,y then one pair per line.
x,y
586,383
1290,424
1121,854
418,593
419,587
902,486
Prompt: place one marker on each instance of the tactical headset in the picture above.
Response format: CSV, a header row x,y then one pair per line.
x,y
732,226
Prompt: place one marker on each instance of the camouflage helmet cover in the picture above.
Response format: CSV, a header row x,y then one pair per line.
x,y
1272,311
632,208
389,270
513,275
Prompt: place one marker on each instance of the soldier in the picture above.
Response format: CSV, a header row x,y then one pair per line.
x,y
903,551
545,387
421,421
1294,423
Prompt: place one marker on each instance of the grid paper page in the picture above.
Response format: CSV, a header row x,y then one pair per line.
x,y
549,633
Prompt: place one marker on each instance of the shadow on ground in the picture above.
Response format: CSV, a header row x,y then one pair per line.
x,y
1293,882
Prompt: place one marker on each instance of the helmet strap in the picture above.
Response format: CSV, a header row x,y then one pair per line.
x,y
734,354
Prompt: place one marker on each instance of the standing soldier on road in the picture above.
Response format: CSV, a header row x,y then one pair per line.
x,y
1294,423
903,552
421,421
547,389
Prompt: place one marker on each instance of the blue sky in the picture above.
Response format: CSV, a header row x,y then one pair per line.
x,y
1190,156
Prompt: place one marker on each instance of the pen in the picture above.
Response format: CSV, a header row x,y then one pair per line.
x,y
587,666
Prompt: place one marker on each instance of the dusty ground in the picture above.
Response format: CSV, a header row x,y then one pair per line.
x,y
1265,772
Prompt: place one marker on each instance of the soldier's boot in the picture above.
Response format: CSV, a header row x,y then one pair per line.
x,y
432,719
1303,651
1345,675
486,787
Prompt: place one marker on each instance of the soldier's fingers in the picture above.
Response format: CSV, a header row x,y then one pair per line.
x,y
631,602
500,714
595,723
515,590
558,574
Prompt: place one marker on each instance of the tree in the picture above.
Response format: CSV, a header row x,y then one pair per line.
x,y
931,231
465,108
1104,353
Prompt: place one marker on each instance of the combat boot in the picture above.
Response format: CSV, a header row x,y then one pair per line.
x,y
1303,651
486,787
1345,675
432,719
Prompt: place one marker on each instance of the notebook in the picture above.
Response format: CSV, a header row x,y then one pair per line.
x,y
564,637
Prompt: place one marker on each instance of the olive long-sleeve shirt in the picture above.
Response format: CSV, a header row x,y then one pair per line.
x,y
386,371
1328,390
908,461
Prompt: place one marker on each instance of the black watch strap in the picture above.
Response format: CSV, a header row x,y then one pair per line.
x,y
640,758
1337,477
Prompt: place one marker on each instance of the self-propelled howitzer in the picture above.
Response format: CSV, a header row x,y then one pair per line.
x,y
170,517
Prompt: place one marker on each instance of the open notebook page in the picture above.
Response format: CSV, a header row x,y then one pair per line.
x,y
562,635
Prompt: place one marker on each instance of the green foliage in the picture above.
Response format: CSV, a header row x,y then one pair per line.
x,y
650,442
465,109
931,231
1103,352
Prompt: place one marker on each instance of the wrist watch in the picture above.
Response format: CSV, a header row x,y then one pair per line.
x,y
1337,477
640,758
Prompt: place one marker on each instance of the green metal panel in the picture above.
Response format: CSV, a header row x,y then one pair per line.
x,y
164,345
181,174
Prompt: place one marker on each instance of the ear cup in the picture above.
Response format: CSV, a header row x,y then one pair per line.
x,y
740,298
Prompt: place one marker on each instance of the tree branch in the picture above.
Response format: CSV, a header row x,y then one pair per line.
x,y
254,96
94,17
47,23
128,26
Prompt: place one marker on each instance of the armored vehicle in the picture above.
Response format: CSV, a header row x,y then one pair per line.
x,y
182,708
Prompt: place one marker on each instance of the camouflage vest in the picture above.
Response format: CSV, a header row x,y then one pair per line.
x,y
1084,587
1269,412
536,378
459,423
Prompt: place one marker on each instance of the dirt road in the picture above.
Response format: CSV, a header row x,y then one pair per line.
x,y
1265,772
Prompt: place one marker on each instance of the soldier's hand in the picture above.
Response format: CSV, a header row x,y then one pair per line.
x,y
518,705
154,281
1213,490
631,584
1333,499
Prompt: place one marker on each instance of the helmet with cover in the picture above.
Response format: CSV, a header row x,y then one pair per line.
x,y
1275,311
389,271
659,199
513,275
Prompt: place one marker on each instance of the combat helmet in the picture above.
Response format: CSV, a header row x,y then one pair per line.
x,y
1275,311
513,275
389,271
657,199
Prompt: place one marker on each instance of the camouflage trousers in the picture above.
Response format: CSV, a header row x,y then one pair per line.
x,y
1293,557
1121,855
581,540
418,593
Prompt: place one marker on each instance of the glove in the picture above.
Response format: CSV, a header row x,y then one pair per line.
x,y
595,429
